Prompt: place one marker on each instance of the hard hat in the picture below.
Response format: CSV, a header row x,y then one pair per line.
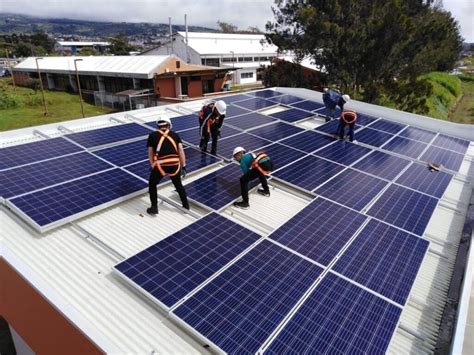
x,y
221,107
237,150
346,98
163,121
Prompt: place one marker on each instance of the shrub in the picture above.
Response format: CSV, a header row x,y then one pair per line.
x,y
8,101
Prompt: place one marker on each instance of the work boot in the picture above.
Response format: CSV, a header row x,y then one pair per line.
x,y
213,152
263,192
241,204
152,210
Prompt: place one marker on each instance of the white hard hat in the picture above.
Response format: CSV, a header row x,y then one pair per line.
x,y
346,98
237,150
163,121
221,107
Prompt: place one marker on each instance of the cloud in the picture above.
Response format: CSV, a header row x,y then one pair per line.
x,y
463,12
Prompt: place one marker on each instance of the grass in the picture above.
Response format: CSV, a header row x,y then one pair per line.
x,y
24,108
463,112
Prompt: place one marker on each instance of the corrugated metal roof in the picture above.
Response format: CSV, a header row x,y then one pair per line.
x,y
73,43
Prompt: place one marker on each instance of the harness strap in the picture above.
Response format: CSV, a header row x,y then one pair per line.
x,y
259,158
349,117
167,160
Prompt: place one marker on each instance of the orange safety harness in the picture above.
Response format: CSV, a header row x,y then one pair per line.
x,y
260,157
167,160
209,121
349,117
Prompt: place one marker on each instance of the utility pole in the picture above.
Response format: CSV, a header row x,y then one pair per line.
x,y
79,85
41,86
188,60
11,70
171,35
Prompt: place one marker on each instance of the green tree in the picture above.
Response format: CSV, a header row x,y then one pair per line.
x,y
284,73
88,52
227,27
119,45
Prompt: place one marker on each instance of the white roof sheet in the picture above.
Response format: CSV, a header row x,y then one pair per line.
x,y
84,44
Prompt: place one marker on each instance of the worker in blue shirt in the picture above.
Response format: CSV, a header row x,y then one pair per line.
x,y
331,100
211,118
254,166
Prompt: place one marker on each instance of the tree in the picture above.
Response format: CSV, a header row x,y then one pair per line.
x,y
284,73
119,45
88,52
227,27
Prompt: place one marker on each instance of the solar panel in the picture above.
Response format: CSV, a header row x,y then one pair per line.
x,y
276,131
281,155
452,143
193,135
108,135
446,158
36,176
241,307
364,120
343,152
382,165
404,208
254,104
406,147
173,267
308,105
418,134
384,259
329,127
234,98
292,115
387,126
248,141
181,123
57,205
124,154
419,178
338,318
308,141
320,230
309,172
352,188
249,120
265,93
234,111
28,153
286,99
325,112
373,137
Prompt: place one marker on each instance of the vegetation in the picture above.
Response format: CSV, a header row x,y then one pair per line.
x,y
230,28
284,73
23,107
119,45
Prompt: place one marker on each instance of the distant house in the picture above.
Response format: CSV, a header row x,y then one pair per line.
x,y
249,52
72,47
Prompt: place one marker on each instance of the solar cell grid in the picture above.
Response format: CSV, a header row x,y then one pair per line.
x,y
325,112
446,158
233,98
308,141
250,142
254,104
418,177
406,147
320,230
329,127
352,188
381,164
384,259
276,131
343,152
249,120
341,318
452,143
418,134
308,105
234,111
193,135
281,155
173,267
292,115
124,154
364,120
286,99
241,307
265,93
387,126
373,137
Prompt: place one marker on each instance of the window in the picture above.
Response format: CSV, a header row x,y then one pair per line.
x,y
245,59
229,60
207,86
246,75
213,62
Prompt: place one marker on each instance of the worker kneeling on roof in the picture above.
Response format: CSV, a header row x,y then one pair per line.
x,y
211,117
254,166
166,155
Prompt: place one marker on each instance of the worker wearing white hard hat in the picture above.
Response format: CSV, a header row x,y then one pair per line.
x,y
211,117
254,166
332,100
166,156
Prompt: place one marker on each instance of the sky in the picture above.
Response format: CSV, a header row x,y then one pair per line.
x,y
243,13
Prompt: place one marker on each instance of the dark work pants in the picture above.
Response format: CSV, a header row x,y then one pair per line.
x,y
330,114
341,128
155,178
205,139
250,175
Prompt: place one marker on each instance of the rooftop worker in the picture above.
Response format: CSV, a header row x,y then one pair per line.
x,y
166,155
211,118
331,100
348,118
254,166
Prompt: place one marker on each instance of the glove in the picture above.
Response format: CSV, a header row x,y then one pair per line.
x,y
183,172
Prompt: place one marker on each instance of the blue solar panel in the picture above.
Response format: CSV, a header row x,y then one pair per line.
x,y
235,111
382,165
47,208
406,147
249,121
173,267
373,137
320,230
419,178
343,152
364,119
265,93
36,176
308,105
254,104
404,208
352,188
451,143
234,98
241,307
193,135
325,112
387,126
276,131
292,115
309,172
181,123
446,158
384,259
331,127
33,152
338,318
418,134
248,141
142,169
108,135
286,99
124,154
308,141
281,155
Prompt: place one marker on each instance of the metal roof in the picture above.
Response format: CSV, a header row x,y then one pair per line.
x,y
83,44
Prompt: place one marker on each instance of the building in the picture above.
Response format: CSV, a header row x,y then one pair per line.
x,y
104,79
249,52
73,47
61,292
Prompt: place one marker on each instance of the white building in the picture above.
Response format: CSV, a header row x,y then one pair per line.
x,y
248,52
74,46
